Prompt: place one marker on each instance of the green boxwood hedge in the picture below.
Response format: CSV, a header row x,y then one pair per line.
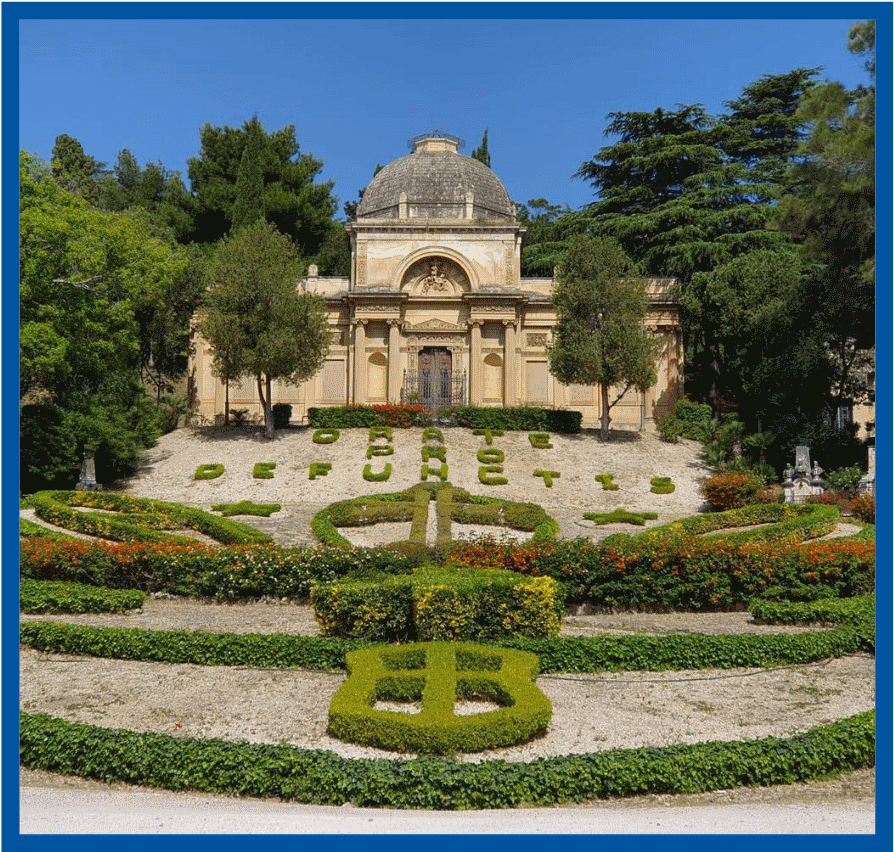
x,y
411,673
437,604
209,471
318,777
39,596
126,518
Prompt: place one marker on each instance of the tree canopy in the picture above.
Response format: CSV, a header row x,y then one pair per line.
x,y
600,339
257,322
89,280
299,207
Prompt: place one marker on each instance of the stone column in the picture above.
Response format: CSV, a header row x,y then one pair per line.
x,y
359,360
476,364
394,360
509,396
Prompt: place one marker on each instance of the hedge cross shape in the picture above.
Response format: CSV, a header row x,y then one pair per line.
x,y
438,673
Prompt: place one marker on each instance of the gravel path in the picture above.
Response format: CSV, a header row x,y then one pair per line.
x,y
591,712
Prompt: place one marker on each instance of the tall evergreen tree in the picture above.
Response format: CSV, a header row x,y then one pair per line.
x,y
481,153
248,207
294,202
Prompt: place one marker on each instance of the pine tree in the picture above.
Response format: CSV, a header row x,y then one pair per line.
x,y
248,207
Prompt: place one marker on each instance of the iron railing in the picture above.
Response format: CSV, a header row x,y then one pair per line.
x,y
433,389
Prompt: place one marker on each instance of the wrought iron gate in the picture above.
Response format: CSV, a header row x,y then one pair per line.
x,y
434,384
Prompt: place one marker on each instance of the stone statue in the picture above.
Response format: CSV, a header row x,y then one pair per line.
x,y
435,280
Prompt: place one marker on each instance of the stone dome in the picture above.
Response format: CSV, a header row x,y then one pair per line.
x,y
436,182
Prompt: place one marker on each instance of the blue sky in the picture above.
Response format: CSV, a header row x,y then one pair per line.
x,y
357,89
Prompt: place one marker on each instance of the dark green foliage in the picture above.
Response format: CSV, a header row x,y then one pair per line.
x,y
428,470
845,480
264,470
621,516
292,201
246,507
600,338
258,323
36,596
212,470
282,414
438,674
384,432
318,777
520,419
248,206
481,153
436,452
28,529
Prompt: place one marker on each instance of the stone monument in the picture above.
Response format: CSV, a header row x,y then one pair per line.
x,y
88,482
802,482
867,481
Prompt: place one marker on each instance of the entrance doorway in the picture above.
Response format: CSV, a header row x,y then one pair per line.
x,y
435,366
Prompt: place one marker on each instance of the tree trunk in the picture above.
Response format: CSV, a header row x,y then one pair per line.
x,y
603,389
227,403
267,403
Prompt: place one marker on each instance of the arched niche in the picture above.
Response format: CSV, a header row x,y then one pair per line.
x,y
377,377
435,272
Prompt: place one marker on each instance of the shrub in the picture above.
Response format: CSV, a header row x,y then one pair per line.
x,y
316,777
662,485
670,428
488,434
319,469
491,456
264,470
439,453
845,480
427,470
540,440
282,414
246,507
430,433
731,490
607,481
486,477
439,604
325,436
364,416
383,476
376,432
621,516
863,507
518,418
379,450
135,518
208,471
36,596
548,476
400,674
692,417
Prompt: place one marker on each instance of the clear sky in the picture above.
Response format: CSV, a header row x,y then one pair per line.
x,y
358,89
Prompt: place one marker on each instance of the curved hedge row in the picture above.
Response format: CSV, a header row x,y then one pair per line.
x,y
127,518
603,653
320,777
786,521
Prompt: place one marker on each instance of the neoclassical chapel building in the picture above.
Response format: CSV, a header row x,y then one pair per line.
x,y
436,312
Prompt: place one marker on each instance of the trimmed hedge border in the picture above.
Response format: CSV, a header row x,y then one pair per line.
x,y
318,777
620,516
505,676
787,521
246,507
136,518
560,654
40,596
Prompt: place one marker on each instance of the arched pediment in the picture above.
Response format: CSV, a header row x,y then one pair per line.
x,y
435,275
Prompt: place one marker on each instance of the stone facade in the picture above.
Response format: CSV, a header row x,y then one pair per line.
x,y
435,310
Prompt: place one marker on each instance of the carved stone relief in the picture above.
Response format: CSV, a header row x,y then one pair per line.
x,y
537,340
435,277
